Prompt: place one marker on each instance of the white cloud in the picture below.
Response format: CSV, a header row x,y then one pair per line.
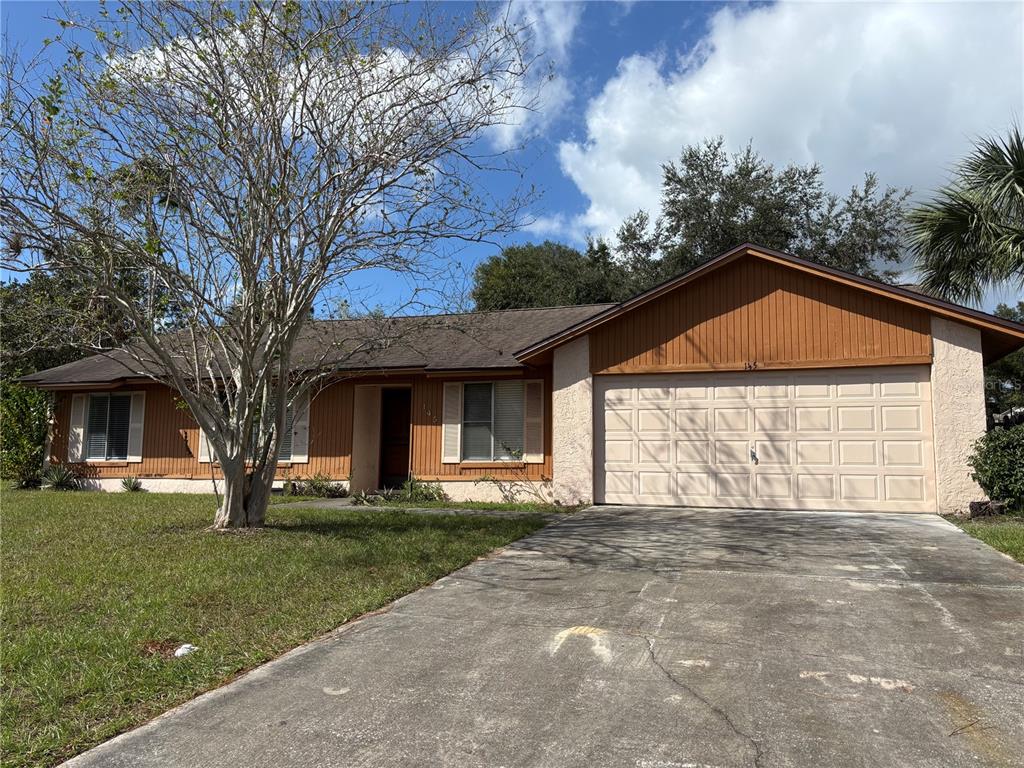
x,y
551,27
899,89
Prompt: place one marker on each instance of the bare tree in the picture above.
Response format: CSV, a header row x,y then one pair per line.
x,y
247,160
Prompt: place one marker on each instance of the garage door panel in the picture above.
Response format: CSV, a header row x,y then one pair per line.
x,y
618,451
618,421
732,452
810,453
693,451
692,419
832,439
730,392
693,484
901,418
652,420
732,419
655,484
902,453
655,452
732,485
772,388
858,487
816,487
904,488
773,451
813,419
771,419
857,452
860,418
773,486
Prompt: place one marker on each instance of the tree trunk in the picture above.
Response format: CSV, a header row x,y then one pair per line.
x,y
245,499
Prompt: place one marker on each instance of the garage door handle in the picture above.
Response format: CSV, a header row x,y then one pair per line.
x,y
753,456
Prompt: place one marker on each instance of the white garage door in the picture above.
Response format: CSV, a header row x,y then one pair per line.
x,y
855,438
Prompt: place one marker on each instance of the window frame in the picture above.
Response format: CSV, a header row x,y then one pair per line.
x,y
106,458
494,456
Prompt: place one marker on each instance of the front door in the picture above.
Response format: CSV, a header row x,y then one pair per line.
x,y
395,419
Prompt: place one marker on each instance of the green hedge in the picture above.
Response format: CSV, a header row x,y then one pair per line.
x,y
998,463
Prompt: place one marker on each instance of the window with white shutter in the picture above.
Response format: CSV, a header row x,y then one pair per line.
x,y
107,426
498,421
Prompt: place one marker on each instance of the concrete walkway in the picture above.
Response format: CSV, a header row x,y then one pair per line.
x,y
650,638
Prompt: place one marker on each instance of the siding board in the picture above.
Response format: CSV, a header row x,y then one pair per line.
x,y
756,313
171,436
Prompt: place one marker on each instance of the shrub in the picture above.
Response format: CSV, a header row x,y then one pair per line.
x,y
60,477
998,463
318,485
24,413
417,491
363,499
132,484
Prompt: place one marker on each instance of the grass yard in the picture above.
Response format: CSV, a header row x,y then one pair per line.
x,y
98,589
1002,532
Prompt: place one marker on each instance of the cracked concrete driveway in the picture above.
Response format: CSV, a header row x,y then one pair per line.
x,y
651,637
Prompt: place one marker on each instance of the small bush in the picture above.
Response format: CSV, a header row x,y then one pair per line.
x,y
363,499
998,463
416,491
60,477
132,484
319,485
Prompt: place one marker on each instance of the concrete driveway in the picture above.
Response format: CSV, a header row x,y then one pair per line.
x,y
653,638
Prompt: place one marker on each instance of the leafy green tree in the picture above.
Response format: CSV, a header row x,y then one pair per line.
x,y
712,202
1004,379
253,160
549,275
970,235
24,420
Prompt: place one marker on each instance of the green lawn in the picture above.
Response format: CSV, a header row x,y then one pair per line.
x,y
98,589
1003,532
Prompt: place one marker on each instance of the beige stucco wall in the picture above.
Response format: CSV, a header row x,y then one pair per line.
x,y
958,412
523,491
572,423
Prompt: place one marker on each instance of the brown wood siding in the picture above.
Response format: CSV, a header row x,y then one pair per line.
x,y
171,436
755,314
427,403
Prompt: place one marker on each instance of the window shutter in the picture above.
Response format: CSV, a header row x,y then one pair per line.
x,y
451,424
300,431
76,428
135,426
204,448
533,422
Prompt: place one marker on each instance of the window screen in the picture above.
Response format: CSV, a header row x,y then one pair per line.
x,y
492,421
477,418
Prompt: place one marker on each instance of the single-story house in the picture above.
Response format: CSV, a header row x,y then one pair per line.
x,y
756,380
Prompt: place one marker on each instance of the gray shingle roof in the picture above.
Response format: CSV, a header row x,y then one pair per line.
x,y
476,340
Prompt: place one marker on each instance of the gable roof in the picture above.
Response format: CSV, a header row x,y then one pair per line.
x,y
999,335
467,341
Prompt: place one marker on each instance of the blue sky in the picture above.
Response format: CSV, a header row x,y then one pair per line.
x,y
895,88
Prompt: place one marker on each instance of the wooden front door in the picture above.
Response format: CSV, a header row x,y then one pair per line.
x,y
395,421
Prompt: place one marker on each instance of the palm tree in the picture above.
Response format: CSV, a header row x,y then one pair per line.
x,y
970,236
